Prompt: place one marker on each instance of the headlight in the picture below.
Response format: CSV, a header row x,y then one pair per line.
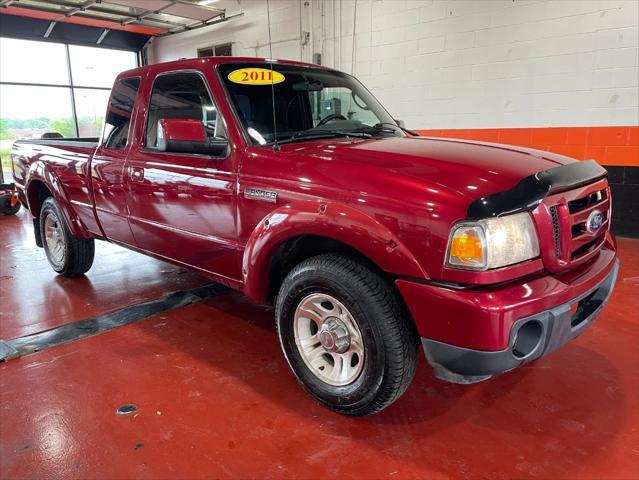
x,y
492,243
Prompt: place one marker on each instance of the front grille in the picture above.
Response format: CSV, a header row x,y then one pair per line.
x,y
570,212
585,202
580,210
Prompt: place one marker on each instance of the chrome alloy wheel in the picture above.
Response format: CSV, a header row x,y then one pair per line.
x,y
54,236
328,339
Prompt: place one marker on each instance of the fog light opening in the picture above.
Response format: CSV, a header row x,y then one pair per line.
x,y
527,338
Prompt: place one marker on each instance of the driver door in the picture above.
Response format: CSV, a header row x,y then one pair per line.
x,y
183,205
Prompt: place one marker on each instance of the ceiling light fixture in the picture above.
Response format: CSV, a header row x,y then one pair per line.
x,y
207,2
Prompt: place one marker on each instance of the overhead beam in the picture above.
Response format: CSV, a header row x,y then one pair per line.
x,y
93,6
120,17
79,9
207,23
142,16
74,8
96,17
203,23
137,18
39,8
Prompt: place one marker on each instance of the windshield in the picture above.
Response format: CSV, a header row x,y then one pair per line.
x,y
309,103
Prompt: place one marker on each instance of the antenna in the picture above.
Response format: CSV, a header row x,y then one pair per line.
x,y
270,54
354,25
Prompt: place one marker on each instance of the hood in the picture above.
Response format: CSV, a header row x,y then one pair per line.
x,y
470,169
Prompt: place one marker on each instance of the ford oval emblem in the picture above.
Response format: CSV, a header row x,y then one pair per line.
x,y
595,221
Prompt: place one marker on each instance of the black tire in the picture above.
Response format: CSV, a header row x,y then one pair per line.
x,y
390,339
78,253
5,205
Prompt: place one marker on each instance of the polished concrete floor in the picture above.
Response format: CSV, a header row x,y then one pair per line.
x,y
216,400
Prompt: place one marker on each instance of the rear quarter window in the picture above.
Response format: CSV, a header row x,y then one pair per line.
x,y
119,112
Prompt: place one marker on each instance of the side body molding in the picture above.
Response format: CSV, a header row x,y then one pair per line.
x,y
41,172
339,222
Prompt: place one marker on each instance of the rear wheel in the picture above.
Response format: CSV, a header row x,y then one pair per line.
x,y
344,335
68,255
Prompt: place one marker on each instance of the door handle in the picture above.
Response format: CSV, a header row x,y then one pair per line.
x,y
136,174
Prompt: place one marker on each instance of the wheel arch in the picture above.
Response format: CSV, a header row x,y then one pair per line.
x,y
304,229
43,183
37,192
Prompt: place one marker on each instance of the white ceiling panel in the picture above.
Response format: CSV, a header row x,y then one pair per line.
x,y
141,4
189,11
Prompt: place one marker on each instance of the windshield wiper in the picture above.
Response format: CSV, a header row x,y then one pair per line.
x,y
376,130
380,126
319,134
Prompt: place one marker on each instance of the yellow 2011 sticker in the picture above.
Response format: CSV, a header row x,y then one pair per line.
x,y
255,76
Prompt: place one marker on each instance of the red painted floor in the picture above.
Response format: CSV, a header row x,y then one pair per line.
x,y
33,298
216,399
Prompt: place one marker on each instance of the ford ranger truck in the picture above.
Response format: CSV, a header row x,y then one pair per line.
x,y
292,184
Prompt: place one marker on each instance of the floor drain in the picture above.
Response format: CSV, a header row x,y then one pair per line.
x,y
126,409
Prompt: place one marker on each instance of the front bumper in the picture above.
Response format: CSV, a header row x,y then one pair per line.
x,y
530,338
471,336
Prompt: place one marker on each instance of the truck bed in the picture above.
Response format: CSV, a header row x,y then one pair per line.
x,y
58,151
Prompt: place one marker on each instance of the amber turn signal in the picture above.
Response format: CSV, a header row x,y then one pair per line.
x,y
467,247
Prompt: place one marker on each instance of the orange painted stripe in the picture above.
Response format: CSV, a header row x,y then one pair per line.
x,y
23,12
608,145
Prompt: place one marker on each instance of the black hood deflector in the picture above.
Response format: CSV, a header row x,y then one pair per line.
x,y
530,191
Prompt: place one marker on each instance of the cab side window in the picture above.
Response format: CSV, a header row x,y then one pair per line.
x,y
181,95
118,117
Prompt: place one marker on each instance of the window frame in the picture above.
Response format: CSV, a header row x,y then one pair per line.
x,y
144,148
213,50
202,50
223,45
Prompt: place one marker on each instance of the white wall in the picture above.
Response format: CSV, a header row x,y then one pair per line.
x,y
458,63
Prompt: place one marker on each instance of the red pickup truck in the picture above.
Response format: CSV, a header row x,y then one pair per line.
x,y
291,183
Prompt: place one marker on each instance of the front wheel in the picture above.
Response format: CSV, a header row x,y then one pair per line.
x,y
68,255
344,335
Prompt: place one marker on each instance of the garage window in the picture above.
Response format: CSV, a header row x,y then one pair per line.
x,y
48,88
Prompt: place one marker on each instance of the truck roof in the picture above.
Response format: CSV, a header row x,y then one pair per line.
x,y
185,63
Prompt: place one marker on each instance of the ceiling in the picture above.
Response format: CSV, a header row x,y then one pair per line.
x,y
147,17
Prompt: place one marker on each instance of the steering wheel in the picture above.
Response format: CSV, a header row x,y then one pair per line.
x,y
330,118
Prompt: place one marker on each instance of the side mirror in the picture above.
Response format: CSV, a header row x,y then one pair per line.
x,y
187,136
400,123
